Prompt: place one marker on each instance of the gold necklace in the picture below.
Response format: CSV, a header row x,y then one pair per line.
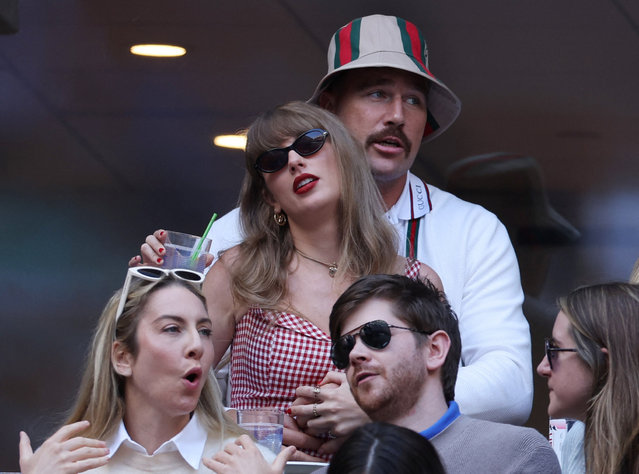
x,y
332,267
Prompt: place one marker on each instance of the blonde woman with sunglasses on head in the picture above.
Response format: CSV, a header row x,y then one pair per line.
x,y
147,401
313,221
592,367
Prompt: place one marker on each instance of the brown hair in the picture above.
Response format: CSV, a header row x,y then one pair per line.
x,y
607,316
367,241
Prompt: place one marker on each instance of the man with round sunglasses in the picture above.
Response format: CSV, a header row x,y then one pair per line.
x,y
379,84
398,341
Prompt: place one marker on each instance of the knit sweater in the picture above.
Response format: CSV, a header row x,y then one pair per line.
x,y
470,445
129,461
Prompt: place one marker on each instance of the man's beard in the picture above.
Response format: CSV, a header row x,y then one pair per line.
x,y
399,394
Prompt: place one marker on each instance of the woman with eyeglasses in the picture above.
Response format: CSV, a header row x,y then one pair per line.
x,y
592,367
314,222
147,401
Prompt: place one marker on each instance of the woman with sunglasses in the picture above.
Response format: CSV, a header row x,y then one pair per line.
x,y
146,401
592,367
314,222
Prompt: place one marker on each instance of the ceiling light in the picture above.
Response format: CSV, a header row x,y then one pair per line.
x,y
158,50
231,141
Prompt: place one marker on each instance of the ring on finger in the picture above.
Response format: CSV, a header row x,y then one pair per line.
x,y
315,414
316,392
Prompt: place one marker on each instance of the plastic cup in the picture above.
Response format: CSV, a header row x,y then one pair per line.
x,y
265,424
180,248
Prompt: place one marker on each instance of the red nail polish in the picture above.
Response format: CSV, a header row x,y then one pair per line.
x,y
161,233
161,250
288,411
159,260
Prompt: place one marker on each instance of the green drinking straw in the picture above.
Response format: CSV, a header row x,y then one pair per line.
x,y
196,253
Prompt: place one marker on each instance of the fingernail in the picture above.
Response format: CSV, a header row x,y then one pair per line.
x,y
161,250
159,260
161,233
288,411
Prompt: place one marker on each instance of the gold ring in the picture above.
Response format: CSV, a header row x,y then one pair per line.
x,y
315,414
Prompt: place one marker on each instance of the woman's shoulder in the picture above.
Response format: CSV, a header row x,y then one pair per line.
x,y
429,273
223,266
218,286
415,269
229,256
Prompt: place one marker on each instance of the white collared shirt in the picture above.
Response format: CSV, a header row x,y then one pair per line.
x,y
413,203
189,442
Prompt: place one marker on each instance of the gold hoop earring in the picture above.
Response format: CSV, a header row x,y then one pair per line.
x,y
279,218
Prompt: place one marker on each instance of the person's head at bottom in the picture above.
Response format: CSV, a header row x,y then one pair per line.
x,y
379,448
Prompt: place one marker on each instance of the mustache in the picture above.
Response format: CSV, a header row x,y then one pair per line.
x,y
390,131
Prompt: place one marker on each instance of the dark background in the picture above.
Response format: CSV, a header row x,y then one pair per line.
x,y
99,148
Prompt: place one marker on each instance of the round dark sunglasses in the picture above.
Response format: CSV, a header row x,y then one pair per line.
x,y
375,334
306,144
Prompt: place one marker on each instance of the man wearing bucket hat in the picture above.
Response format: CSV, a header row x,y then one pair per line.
x,y
379,84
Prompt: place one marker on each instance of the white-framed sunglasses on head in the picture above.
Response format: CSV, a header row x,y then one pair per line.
x,y
154,274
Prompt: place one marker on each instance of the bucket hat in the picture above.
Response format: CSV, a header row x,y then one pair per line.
x,y
389,41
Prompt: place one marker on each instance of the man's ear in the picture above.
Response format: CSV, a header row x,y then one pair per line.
x,y
438,346
121,359
326,100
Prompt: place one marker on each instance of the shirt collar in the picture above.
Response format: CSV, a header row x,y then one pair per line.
x,y
189,442
444,422
413,203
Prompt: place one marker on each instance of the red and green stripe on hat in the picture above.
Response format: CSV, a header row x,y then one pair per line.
x,y
407,39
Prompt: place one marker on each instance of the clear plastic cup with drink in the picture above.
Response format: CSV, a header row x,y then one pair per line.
x,y
185,251
266,425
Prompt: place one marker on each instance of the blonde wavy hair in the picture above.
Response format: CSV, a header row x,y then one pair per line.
x,y
367,241
607,316
100,399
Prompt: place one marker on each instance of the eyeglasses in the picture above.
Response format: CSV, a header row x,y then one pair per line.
x,y
375,334
306,144
550,350
154,274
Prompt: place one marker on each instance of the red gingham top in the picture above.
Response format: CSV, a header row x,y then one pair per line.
x,y
273,353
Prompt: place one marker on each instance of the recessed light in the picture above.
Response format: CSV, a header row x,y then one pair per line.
x,y
231,141
158,50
